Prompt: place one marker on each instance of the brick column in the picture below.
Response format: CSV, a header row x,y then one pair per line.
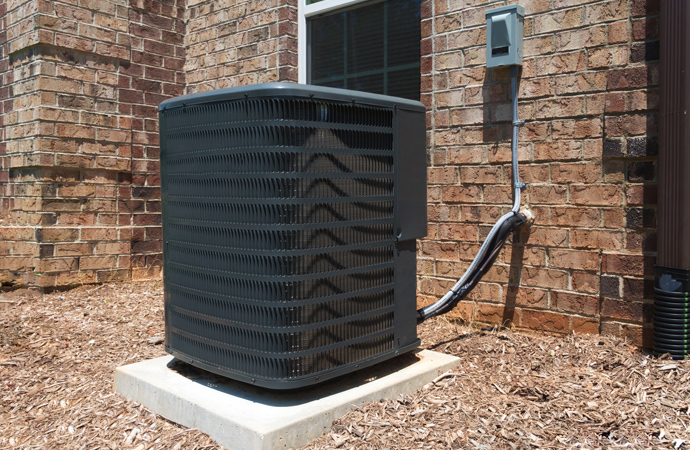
x,y
82,201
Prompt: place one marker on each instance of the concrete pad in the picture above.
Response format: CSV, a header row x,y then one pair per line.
x,y
243,417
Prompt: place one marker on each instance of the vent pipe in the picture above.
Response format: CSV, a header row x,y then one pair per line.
x,y
671,306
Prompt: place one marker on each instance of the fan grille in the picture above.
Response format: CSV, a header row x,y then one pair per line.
x,y
279,235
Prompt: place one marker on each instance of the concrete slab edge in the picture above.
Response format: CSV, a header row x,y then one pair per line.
x,y
289,436
171,395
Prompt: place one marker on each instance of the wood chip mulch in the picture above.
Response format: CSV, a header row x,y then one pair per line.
x,y
58,353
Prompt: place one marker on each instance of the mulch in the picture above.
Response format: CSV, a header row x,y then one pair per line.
x,y
513,389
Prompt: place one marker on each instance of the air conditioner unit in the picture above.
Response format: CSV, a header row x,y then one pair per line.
x,y
290,214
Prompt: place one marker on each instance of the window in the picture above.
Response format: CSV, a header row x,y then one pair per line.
x,y
362,45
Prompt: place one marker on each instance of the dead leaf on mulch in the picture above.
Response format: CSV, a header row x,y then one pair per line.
x,y
58,353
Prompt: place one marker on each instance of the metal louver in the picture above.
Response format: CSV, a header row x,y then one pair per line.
x,y
290,214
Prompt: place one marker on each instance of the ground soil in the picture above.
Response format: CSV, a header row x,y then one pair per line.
x,y
512,389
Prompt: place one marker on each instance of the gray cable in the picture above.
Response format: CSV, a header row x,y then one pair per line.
x,y
430,310
517,186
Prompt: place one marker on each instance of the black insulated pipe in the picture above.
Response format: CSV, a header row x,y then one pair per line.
x,y
498,235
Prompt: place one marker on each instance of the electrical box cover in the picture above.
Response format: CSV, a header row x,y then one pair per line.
x,y
504,36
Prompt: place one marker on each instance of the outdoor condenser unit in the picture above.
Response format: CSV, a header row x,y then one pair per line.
x,y
290,214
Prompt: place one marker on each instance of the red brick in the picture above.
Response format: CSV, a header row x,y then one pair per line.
x,y
585,282
444,250
545,320
75,131
627,264
533,256
631,77
645,7
527,297
483,175
449,269
645,28
558,20
561,150
544,278
549,237
476,95
574,259
72,249
576,173
14,263
146,246
98,234
631,311
560,107
461,156
466,116
607,57
70,12
538,45
577,128
97,262
480,213
485,292
631,125
560,63
435,286
57,234
545,194
442,175
468,250
56,265
613,218
638,288
530,173
597,239
596,194
587,305
585,325
498,194
443,213
111,276
75,278
457,231
641,240
75,219
619,32
639,335
468,193
606,11
494,314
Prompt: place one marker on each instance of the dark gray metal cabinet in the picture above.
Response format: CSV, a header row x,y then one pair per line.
x,y
290,214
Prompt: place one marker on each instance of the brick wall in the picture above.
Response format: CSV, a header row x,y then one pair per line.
x,y
81,81
79,185
588,94
81,190
240,43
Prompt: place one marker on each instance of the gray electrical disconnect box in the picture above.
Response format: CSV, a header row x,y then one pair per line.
x,y
504,36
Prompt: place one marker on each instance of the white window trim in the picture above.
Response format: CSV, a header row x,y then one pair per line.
x,y
305,11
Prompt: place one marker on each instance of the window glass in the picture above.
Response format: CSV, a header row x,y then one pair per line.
x,y
372,48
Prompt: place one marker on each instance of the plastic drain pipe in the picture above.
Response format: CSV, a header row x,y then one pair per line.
x,y
499,233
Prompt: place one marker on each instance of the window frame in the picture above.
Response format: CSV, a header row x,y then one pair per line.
x,y
304,12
